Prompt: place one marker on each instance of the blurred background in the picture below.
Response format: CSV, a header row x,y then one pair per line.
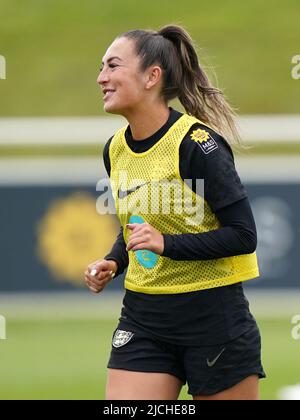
x,y
54,335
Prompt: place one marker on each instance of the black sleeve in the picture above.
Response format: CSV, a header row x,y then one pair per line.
x,y
236,236
212,160
118,253
106,159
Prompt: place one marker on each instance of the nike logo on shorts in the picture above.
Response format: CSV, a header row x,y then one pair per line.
x,y
213,362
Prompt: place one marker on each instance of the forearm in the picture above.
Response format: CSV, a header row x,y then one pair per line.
x,y
220,243
236,236
119,254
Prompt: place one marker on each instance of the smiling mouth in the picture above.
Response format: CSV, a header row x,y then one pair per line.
x,y
107,94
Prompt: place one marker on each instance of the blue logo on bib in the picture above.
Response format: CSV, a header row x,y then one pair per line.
x,y
146,258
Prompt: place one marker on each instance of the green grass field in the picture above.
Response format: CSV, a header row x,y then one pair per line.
x,y
64,357
53,50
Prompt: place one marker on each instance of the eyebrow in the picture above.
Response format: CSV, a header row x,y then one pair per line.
x,y
112,58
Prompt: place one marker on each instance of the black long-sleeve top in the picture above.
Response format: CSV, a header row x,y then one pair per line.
x,y
223,191
205,317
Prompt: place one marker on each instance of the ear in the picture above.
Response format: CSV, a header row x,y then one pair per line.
x,y
153,76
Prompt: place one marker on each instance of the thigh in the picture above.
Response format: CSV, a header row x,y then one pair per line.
x,y
226,371
142,366
130,385
246,390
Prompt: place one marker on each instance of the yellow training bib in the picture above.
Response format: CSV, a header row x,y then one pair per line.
x,y
147,187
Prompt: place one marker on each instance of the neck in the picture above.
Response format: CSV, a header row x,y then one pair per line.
x,y
145,122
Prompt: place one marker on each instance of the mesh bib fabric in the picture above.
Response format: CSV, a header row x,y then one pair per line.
x,y
147,187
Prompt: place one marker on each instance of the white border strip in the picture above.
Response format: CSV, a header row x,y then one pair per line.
x,y
51,171
269,169
88,170
56,130
270,128
97,130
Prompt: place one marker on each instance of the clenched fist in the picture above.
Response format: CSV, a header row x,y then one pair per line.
x,y
99,274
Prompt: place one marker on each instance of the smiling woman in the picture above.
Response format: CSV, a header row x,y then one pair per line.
x,y
185,317
126,87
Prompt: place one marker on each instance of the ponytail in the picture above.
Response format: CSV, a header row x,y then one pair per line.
x,y
172,48
196,94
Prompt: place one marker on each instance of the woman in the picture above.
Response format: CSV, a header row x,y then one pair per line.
x,y
185,317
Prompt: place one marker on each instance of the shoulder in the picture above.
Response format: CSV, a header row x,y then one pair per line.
x,y
205,154
106,158
115,137
206,143
106,147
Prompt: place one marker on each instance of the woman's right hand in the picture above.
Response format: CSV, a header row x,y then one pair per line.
x,y
99,273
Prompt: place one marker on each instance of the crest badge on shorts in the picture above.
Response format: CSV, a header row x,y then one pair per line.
x,y
121,338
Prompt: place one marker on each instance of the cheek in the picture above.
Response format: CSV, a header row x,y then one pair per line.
x,y
132,90
132,96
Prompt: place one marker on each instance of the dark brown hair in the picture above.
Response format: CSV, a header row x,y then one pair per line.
x,y
172,49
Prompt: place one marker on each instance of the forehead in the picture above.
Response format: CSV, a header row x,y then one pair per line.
x,y
122,48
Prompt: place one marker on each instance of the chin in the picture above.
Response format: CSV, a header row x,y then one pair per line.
x,y
112,109
109,108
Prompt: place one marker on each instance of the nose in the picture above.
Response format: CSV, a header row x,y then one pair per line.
x,y
102,77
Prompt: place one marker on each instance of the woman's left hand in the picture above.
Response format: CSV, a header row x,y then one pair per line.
x,y
145,236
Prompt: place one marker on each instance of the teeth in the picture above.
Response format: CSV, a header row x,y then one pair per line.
x,y
109,92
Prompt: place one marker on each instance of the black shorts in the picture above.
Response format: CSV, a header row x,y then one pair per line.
x,y
206,369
